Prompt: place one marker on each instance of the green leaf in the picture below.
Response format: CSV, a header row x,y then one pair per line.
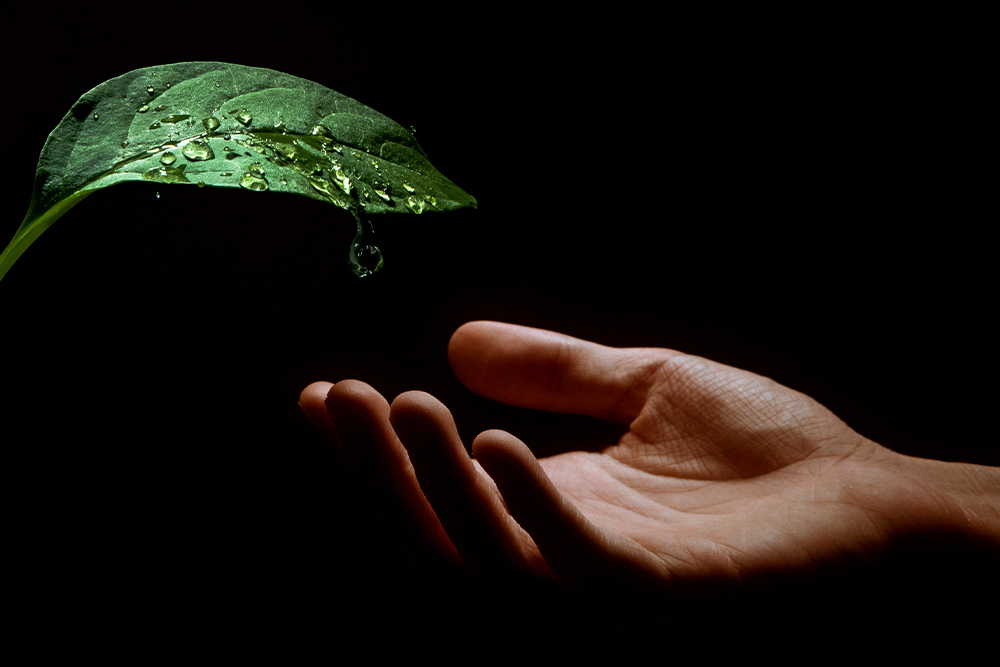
x,y
224,125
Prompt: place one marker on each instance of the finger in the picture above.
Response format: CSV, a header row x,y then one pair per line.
x,y
359,421
464,499
540,369
579,553
312,402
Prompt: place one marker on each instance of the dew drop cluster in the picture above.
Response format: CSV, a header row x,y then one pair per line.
x,y
335,173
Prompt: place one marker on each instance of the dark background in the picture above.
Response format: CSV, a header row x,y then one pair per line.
x,y
797,196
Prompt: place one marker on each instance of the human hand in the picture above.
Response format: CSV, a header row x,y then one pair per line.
x,y
721,475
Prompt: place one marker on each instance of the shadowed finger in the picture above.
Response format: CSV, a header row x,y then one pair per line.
x,y
465,500
579,553
359,421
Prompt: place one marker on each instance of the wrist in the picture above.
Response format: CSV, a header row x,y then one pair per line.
x,y
961,498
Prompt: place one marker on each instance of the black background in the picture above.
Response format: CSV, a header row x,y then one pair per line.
x,y
794,195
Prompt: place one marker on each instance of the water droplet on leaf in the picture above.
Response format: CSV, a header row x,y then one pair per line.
x,y
170,120
143,108
418,206
253,181
244,117
340,177
167,174
150,90
285,150
168,158
382,190
210,123
197,151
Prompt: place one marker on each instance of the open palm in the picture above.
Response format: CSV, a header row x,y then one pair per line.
x,y
722,474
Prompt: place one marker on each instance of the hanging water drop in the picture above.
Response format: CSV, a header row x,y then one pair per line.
x,y
365,258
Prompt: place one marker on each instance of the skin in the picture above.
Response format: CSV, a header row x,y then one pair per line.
x,y
722,475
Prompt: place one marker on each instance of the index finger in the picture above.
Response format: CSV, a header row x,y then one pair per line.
x,y
545,370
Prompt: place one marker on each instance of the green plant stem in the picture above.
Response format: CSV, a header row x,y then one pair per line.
x,y
31,228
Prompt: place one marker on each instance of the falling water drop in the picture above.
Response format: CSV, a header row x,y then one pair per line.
x,y
365,258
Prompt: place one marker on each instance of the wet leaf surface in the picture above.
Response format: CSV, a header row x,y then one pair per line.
x,y
225,125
